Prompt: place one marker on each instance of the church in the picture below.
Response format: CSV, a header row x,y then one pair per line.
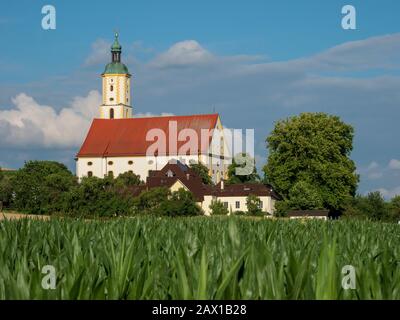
x,y
117,142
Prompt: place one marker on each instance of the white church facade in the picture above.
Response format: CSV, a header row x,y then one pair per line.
x,y
117,142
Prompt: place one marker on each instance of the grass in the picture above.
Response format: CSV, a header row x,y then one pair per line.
x,y
198,258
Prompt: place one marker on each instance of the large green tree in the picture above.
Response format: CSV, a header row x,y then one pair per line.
x,y
242,170
39,185
313,148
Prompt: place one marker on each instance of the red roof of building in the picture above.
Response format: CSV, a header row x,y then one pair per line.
x,y
127,137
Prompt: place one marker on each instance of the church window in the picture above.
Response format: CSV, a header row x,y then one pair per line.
x,y
90,174
110,163
111,88
111,113
111,99
89,163
130,162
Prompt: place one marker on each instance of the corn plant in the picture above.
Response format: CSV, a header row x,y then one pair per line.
x,y
198,258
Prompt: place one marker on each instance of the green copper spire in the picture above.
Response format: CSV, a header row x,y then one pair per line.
x,y
116,47
116,66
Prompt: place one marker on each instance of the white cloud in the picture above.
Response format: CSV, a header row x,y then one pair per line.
x,y
32,124
100,53
394,164
373,165
389,193
184,53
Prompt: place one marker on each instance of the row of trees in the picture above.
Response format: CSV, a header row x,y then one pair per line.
x,y
309,165
46,187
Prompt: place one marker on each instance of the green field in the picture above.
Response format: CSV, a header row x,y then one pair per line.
x,y
199,258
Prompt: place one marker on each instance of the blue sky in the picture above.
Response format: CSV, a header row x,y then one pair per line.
x,y
253,61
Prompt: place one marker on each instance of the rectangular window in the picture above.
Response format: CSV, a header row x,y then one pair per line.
x,y
261,205
237,204
226,205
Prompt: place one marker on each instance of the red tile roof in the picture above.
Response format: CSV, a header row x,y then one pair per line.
x,y
173,172
127,137
177,171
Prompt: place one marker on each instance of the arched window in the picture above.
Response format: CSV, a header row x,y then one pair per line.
x,y
111,88
111,113
90,174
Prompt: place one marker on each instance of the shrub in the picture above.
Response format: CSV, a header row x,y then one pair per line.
x,y
6,191
128,179
394,209
38,186
282,208
148,201
253,205
180,203
218,208
95,197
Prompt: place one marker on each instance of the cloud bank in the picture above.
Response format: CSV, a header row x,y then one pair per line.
x,y
358,80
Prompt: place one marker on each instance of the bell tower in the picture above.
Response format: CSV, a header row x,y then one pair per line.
x,y
116,87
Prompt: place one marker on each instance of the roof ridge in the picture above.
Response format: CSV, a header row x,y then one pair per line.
x,y
170,116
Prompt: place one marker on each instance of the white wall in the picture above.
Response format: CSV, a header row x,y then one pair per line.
x,y
141,165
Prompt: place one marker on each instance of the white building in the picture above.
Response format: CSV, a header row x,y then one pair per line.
x,y
118,142
176,175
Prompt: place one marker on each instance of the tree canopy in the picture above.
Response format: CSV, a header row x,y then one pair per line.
x,y
39,185
313,148
242,170
202,171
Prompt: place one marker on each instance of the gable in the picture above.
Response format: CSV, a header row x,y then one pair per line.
x,y
178,185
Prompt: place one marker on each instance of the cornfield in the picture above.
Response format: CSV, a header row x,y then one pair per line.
x,y
198,258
